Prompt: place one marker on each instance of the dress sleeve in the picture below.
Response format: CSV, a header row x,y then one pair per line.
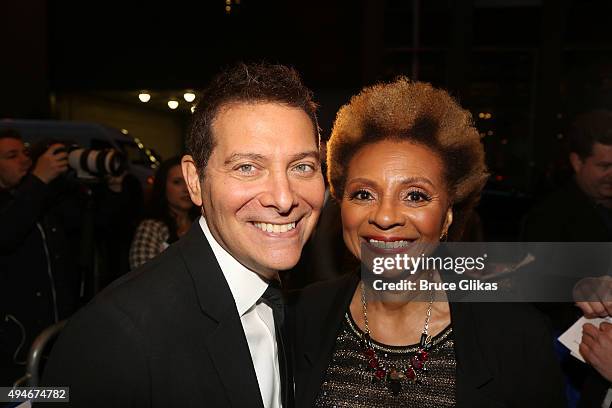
x,y
149,241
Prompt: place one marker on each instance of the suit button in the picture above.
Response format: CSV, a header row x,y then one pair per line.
x,y
38,294
53,229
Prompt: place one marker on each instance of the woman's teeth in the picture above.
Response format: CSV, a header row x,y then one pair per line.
x,y
389,244
266,227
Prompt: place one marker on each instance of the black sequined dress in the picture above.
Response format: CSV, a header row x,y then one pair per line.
x,y
349,382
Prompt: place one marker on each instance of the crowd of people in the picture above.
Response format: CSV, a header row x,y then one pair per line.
x,y
205,317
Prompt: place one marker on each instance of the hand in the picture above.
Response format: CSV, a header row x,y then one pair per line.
x,y
594,296
595,309
596,348
51,164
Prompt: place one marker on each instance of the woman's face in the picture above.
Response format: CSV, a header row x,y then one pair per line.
x,y
176,190
396,193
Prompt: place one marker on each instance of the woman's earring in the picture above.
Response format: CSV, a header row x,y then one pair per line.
x,y
444,236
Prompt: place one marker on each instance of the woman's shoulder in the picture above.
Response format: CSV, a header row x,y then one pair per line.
x,y
321,295
504,320
151,224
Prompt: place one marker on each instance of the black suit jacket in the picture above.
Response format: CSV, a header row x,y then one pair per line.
x,y
165,335
504,351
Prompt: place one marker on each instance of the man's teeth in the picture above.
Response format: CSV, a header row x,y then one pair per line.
x,y
389,244
266,227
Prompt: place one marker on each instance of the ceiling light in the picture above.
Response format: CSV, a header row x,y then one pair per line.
x,y
144,97
189,96
173,104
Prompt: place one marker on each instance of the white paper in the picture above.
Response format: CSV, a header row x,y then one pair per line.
x,y
573,336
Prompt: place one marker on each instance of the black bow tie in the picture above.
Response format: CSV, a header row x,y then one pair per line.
x,y
273,297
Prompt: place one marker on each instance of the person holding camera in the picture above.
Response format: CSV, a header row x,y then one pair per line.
x,y
42,228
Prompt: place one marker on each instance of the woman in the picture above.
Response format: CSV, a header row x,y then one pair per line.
x,y
168,217
407,167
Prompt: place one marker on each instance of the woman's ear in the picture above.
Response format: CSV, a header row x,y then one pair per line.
x,y
192,178
448,220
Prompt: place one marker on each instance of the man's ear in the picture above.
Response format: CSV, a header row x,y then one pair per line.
x,y
576,162
190,174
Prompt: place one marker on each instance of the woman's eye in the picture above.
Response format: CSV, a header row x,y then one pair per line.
x,y
417,196
361,195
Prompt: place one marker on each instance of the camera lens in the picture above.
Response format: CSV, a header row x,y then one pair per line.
x,y
97,162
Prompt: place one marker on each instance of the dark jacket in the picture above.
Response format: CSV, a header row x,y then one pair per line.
x,y
165,335
38,281
503,351
567,215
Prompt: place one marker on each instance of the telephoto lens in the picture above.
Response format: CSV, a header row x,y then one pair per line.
x,y
97,163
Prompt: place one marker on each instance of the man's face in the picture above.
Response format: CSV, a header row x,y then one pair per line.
x,y
262,190
594,174
14,162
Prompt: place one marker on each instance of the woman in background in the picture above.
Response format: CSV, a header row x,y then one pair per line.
x,y
168,216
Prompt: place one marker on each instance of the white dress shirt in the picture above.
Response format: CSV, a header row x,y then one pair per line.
x,y
257,319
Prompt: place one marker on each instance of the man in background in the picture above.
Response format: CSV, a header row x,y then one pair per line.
x,y
582,212
38,283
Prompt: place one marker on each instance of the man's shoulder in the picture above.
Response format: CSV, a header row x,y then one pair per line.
x,y
560,200
156,288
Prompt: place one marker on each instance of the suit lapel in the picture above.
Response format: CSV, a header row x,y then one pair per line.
x,y
227,344
319,334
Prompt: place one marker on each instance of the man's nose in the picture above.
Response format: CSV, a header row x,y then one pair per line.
x,y
279,193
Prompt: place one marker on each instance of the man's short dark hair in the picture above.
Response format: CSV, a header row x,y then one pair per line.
x,y
246,83
10,134
588,129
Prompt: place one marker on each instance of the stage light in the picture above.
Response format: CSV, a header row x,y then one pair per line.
x,y
173,104
124,131
144,97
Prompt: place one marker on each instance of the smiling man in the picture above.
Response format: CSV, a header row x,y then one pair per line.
x,y
201,324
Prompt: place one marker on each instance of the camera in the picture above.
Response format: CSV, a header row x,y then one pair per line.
x,y
88,164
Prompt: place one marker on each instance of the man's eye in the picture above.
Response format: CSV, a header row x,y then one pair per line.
x,y
246,168
305,168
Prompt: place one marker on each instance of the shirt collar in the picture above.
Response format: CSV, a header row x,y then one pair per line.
x,y
246,286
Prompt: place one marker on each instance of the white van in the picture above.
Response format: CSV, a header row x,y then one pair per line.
x,y
141,160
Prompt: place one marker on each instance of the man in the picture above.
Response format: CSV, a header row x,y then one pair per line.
x,y
38,283
582,212
195,327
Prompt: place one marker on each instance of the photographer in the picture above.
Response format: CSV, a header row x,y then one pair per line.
x,y
43,223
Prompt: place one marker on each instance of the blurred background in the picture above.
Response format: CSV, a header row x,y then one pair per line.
x,y
524,68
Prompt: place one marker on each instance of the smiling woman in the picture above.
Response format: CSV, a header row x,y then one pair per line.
x,y
407,167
